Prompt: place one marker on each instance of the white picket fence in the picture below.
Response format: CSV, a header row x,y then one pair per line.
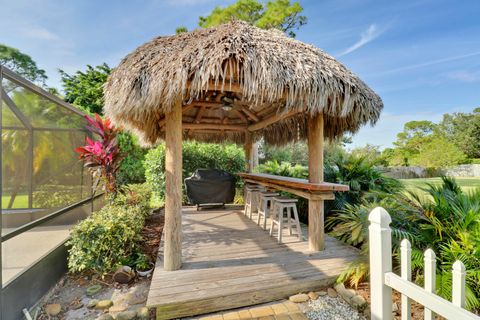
x,y
383,280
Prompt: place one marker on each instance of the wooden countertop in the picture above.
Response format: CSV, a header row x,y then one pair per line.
x,y
302,185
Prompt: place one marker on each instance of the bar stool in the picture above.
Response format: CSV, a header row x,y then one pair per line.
x,y
282,206
265,205
251,198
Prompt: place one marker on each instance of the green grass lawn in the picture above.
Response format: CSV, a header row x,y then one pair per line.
x,y
467,184
21,201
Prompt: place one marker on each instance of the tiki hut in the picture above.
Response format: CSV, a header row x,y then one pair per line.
x,y
238,83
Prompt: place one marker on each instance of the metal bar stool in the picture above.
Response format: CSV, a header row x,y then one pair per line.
x,y
264,206
282,212
251,198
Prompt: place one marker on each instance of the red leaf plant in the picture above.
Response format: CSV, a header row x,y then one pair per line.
x,y
102,157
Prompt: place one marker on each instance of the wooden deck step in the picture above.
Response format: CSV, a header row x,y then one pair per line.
x,y
230,262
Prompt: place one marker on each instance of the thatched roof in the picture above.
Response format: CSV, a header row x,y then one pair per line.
x,y
261,74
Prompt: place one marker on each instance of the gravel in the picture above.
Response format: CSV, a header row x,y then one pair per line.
x,y
328,308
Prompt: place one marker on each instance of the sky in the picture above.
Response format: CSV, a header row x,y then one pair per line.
x,y
422,57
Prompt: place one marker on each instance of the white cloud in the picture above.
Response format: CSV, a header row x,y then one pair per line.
x,y
464,76
366,36
40,33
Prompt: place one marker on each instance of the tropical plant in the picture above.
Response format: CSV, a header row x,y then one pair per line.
x,y
442,218
102,157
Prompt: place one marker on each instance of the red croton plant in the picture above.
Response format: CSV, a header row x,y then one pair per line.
x,y
102,156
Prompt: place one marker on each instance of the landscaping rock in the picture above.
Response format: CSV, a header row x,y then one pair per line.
x,y
312,295
105,316
124,275
358,301
76,305
322,293
92,290
117,308
299,298
53,309
133,299
143,313
126,315
332,293
92,303
345,293
104,304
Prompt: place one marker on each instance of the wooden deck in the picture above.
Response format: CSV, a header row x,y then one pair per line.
x,y
230,262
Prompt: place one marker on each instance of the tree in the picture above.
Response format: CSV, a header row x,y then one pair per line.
x,y
22,64
463,129
409,142
439,153
85,89
275,14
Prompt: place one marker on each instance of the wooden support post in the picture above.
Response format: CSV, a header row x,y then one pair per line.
x,y
248,151
173,189
315,175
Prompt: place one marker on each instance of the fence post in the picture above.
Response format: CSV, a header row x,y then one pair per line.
x,y
430,272
458,284
406,273
380,245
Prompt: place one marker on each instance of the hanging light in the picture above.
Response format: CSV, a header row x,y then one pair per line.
x,y
226,103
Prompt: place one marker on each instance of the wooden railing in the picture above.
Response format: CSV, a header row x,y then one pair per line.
x,y
383,280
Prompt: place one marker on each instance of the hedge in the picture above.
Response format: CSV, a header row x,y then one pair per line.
x,y
196,155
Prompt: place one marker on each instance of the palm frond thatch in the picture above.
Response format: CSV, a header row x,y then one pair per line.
x,y
274,74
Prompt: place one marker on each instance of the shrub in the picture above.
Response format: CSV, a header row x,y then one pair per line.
x,y
131,169
109,236
196,155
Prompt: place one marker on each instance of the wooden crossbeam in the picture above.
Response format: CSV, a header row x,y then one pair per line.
x,y
270,120
213,126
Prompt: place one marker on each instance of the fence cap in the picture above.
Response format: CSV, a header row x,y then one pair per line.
x,y
458,266
380,216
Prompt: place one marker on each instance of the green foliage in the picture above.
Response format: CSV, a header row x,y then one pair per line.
x,y
439,153
294,152
181,29
109,236
447,221
131,169
22,64
85,88
274,14
426,144
464,130
360,174
54,198
196,155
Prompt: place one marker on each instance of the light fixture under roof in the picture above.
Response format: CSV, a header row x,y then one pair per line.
x,y
227,103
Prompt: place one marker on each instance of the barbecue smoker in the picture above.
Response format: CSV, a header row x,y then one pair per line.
x,y
210,188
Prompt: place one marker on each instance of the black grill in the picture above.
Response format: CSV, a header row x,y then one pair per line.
x,y
210,187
